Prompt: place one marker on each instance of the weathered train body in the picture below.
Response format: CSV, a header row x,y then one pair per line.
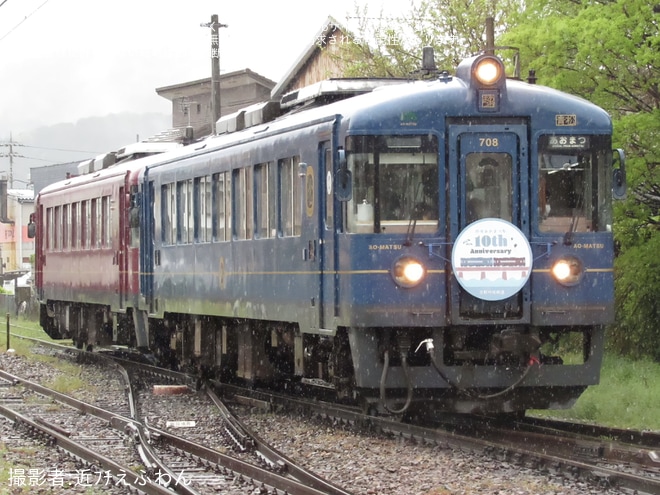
x,y
424,244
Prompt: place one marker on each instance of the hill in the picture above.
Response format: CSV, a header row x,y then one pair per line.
x,y
86,138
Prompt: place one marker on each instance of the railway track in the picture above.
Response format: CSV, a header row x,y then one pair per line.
x,y
99,456
620,459
253,458
631,463
172,462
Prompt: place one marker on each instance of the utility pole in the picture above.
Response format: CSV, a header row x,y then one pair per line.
x,y
11,154
215,68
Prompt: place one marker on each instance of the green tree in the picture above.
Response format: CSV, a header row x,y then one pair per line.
x,y
392,47
608,52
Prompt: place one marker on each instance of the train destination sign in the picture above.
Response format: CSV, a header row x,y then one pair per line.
x,y
492,259
568,142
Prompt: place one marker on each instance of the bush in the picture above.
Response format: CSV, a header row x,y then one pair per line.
x,y
636,332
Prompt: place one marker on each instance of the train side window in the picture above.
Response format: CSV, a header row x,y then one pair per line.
x,y
238,182
164,215
395,182
85,229
265,204
221,206
178,212
103,219
243,183
57,228
106,222
66,227
202,206
574,184
95,218
100,221
75,229
290,206
168,207
185,212
50,229
134,214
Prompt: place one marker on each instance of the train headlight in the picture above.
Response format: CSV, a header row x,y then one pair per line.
x,y
567,271
488,71
408,271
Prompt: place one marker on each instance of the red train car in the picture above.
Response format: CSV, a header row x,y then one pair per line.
x,y
86,259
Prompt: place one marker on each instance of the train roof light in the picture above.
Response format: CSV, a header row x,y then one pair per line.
x,y
485,76
488,70
483,72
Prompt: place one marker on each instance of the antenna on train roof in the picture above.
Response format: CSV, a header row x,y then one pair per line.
x,y
428,68
428,59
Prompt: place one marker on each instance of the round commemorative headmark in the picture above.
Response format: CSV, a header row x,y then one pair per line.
x,y
491,259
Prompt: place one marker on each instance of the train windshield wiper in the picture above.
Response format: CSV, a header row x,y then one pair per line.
x,y
410,232
568,236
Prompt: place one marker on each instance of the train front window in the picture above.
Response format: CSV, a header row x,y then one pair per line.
x,y
574,184
395,182
488,186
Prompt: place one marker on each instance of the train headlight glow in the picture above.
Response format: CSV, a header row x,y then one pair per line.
x,y
488,71
567,271
408,272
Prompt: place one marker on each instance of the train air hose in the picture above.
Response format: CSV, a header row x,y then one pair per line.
x,y
430,349
383,380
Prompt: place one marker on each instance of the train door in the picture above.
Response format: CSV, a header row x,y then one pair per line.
x,y
122,252
313,233
327,253
147,243
489,179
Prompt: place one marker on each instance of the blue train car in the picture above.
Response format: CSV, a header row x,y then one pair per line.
x,y
342,245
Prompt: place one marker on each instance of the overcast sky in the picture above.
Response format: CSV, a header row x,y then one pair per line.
x,y
63,60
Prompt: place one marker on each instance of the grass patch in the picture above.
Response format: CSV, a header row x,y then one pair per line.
x,y
628,396
66,384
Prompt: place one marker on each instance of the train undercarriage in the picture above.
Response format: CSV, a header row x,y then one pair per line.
x,y
459,369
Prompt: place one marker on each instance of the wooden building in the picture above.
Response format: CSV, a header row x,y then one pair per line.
x,y
318,61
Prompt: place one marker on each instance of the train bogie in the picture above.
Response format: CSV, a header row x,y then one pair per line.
x,y
424,245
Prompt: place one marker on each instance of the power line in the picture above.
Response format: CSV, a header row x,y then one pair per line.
x,y
24,19
60,149
40,159
4,2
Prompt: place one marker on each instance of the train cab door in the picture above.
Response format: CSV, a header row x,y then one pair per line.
x,y
489,179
